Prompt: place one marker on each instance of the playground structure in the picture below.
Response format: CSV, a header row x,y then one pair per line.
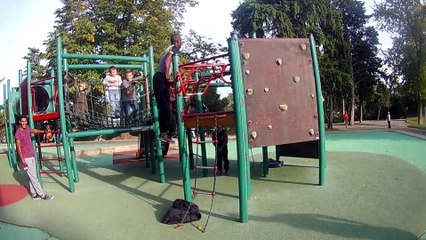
x,y
49,101
277,102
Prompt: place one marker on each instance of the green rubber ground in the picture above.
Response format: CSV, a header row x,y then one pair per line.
x,y
393,144
375,189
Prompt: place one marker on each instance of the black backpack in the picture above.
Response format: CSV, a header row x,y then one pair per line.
x,y
272,163
182,211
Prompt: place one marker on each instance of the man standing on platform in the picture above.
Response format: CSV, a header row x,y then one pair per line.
x,y
162,81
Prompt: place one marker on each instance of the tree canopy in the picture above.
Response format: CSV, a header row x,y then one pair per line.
x,y
339,28
121,27
406,21
347,46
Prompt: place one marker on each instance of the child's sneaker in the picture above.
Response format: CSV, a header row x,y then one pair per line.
x,y
36,197
25,166
167,139
47,197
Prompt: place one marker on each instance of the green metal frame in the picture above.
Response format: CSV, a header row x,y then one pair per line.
x,y
149,132
183,154
241,127
9,119
240,112
321,125
61,59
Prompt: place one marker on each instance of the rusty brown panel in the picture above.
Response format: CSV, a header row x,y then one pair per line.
x,y
280,91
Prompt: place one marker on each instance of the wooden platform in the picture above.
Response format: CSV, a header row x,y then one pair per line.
x,y
227,119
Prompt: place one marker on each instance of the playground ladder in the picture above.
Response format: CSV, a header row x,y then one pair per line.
x,y
58,158
195,191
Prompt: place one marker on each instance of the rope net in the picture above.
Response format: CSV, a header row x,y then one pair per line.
x,y
91,112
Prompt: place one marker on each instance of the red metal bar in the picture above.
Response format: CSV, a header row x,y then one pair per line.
x,y
204,60
187,83
47,116
50,159
50,145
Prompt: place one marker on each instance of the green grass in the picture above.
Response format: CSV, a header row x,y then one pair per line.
x,y
413,123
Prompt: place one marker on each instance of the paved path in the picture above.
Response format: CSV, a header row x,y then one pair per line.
x,y
399,125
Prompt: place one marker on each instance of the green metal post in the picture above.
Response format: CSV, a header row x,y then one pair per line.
x,y
74,163
147,151
102,66
151,138
104,57
20,79
265,161
57,141
321,142
110,131
190,148
201,130
183,154
58,148
155,116
64,131
6,125
240,124
52,89
213,84
144,91
11,141
30,117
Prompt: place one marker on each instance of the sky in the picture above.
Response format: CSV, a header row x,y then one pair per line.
x,y
26,23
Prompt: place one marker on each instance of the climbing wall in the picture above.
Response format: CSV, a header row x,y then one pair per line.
x,y
280,91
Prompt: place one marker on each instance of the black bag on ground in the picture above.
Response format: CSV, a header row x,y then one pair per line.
x,y
182,211
272,163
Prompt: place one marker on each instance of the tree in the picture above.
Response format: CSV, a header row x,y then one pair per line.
x,y
406,21
366,67
126,28
363,61
35,56
230,102
380,100
198,48
212,101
